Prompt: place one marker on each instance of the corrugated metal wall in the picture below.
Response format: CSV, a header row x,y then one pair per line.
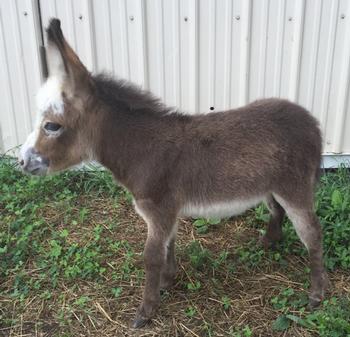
x,y
20,73
203,55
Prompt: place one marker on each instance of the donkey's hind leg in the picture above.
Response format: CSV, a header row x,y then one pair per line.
x,y
274,227
309,231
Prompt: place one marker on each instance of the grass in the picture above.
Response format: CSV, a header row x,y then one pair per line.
x,y
71,265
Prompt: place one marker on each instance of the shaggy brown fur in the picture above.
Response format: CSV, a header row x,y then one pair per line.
x,y
181,165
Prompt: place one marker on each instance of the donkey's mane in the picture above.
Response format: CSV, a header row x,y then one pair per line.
x,y
122,95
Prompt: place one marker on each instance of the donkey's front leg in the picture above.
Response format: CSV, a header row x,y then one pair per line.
x,y
155,256
154,260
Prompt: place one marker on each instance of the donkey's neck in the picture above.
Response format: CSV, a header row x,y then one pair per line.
x,y
135,130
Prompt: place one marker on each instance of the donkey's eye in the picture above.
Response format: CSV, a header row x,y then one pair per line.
x,y
49,126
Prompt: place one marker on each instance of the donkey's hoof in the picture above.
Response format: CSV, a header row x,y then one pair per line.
x,y
270,243
167,282
266,243
145,312
317,296
139,322
314,303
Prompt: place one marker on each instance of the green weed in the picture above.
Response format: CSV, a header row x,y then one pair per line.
x,y
330,320
202,225
198,255
246,331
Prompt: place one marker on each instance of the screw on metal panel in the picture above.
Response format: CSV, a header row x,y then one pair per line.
x,y
238,17
80,17
186,18
25,13
131,18
342,16
290,19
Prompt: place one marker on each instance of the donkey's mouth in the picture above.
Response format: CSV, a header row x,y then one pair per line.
x,y
33,163
38,171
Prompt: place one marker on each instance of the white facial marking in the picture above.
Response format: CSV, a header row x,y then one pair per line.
x,y
30,142
220,209
50,96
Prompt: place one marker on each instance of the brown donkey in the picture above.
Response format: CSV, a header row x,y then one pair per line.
x,y
206,165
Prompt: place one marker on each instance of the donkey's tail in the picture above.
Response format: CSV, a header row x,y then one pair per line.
x,y
318,174
318,170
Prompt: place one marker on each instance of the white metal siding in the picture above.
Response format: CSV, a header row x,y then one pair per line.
x,y
199,55
20,73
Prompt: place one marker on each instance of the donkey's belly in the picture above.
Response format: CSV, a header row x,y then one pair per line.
x,y
220,209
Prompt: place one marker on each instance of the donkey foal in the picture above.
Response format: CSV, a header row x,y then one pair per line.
x,y
213,165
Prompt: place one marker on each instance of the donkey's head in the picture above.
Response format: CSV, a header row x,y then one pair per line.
x,y
58,141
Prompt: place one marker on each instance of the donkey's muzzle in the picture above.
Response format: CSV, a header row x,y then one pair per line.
x,y
32,162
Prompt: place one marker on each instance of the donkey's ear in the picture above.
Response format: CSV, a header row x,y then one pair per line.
x,y
62,61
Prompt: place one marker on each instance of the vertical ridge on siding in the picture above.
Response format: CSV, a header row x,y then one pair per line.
x,y
69,7
144,46
189,49
163,84
228,55
194,56
329,66
177,54
9,133
281,17
155,47
23,114
124,23
89,37
344,88
137,43
245,52
296,51
26,115
109,34
192,46
314,55
212,55
263,49
170,50
53,7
